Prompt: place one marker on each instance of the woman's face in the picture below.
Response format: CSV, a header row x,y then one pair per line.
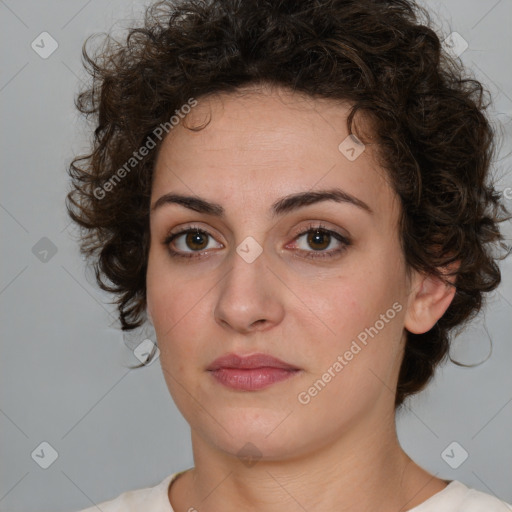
x,y
256,284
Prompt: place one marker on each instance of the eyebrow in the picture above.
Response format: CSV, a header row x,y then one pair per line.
x,y
284,205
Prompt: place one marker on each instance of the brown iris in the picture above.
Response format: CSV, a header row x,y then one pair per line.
x,y
316,237
192,239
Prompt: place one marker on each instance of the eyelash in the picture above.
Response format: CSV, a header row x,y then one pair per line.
x,y
317,254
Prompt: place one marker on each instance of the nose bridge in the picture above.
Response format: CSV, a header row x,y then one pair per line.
x,y
246,294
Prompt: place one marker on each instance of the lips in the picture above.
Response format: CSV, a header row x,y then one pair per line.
x,y
249,362
250,373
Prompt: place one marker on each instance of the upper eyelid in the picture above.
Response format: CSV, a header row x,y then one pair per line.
x,y
187,229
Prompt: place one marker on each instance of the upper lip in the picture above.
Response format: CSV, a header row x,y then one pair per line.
x,y
249,362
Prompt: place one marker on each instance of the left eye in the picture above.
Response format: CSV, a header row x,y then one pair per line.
x,y
320,239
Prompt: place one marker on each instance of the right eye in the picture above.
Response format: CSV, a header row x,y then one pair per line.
x,y
195,241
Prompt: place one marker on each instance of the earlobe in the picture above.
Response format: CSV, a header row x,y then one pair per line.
x,y
431,298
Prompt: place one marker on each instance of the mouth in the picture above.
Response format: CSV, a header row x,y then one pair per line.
x,y
250,373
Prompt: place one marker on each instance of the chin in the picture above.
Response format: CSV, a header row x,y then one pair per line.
x,y
256,434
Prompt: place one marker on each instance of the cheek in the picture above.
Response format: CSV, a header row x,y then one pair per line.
x,y
181,311
168,296
170,303
363,319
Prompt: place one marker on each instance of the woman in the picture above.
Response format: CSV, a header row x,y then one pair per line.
x,y
296,195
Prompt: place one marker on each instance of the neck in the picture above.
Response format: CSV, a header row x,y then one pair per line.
x,y
365,470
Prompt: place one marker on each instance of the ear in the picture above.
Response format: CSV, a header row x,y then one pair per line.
x,y
429,298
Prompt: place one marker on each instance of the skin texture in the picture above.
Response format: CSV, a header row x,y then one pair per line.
x,y
340,450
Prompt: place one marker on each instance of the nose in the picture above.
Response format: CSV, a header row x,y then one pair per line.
x,y
248,297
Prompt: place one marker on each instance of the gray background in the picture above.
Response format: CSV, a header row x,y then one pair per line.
x,y
63,370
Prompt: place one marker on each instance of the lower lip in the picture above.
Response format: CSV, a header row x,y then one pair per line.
x,y
251,379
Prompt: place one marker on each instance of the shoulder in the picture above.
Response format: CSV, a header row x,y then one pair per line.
x,y
129,501
457,497
477,501
147,499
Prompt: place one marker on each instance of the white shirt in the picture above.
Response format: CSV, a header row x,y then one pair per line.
x,y
455,497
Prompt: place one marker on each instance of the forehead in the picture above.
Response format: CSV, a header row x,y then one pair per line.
x,y
264,144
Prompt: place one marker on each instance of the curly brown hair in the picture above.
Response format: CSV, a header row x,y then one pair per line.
x,y
382,57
